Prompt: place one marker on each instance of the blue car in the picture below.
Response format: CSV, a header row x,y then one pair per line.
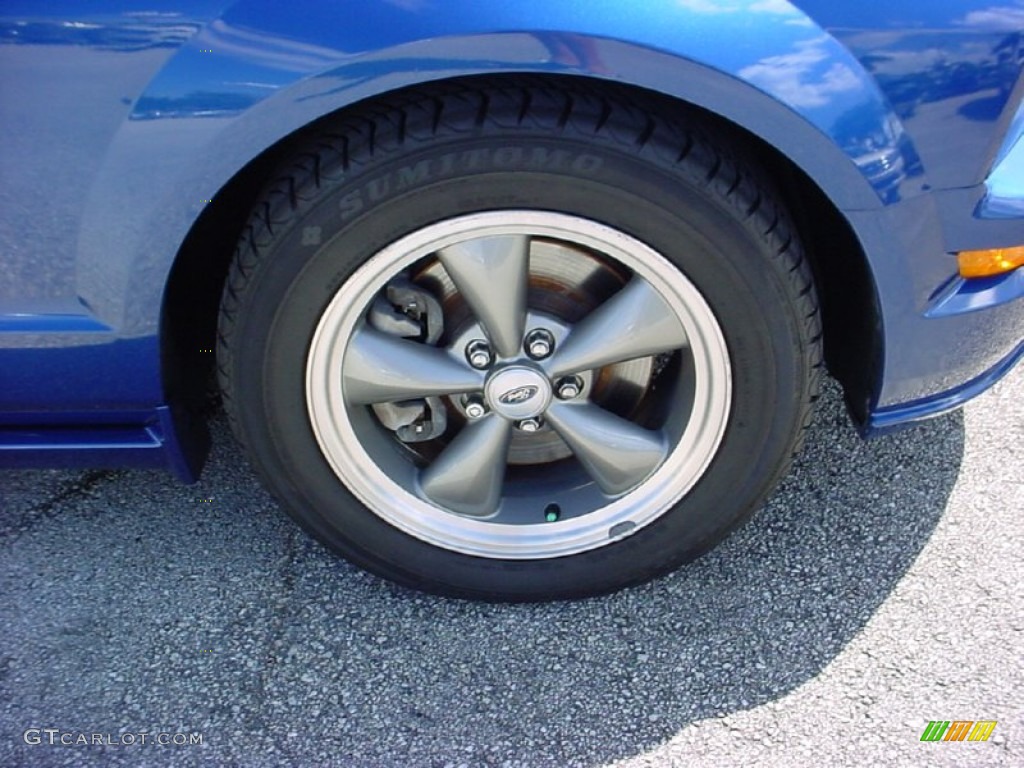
x,y
504,300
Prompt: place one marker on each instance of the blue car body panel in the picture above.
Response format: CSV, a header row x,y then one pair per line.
x,y
121,120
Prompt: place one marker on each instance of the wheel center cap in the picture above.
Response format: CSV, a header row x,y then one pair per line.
x,y
518,392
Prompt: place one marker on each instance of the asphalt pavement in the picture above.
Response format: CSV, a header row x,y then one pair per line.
x,y
878,589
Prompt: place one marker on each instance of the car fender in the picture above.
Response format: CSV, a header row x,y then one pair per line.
x,y
258,73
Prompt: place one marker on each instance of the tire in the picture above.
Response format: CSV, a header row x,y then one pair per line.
x,y
519,341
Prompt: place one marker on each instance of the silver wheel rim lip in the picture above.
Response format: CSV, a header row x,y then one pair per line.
x,y
685,464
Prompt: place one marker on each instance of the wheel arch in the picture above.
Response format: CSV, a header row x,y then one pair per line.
x,y
851,314
789,90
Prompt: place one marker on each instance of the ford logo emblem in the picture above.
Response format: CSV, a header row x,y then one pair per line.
x,y
518,395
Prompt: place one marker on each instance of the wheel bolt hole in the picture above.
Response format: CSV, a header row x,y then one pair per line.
x,y
479,355
529,425
539,343
569,387
475,407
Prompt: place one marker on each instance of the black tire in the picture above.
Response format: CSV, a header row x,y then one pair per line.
x,y
397,168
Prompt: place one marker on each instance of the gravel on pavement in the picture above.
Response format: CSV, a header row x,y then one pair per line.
x,y
878,589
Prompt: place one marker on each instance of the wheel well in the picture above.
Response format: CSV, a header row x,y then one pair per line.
x,y
196,281
851,315
851,319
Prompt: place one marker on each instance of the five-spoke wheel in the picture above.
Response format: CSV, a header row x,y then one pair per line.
x,y
572,388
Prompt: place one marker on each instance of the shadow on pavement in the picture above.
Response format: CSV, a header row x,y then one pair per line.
x,y
143,607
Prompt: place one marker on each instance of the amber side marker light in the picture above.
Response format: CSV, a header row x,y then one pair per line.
x,y
996,261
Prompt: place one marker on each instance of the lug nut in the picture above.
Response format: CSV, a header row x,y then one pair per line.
x,y
475,408
479,355
569,387
539,343
528,425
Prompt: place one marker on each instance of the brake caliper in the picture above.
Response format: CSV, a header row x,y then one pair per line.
x,y
405,310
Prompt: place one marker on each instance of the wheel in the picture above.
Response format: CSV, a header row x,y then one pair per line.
x,y
519,341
